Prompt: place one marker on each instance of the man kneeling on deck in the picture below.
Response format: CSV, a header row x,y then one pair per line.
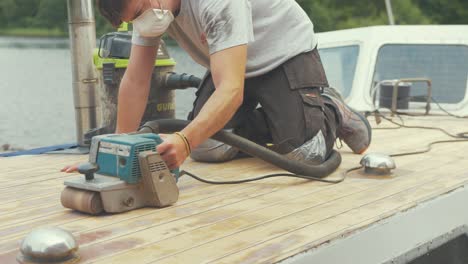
x,y
265,80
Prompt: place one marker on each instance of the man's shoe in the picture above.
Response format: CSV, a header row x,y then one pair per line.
x,y
355,130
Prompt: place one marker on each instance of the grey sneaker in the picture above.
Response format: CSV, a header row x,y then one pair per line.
x,y
355,130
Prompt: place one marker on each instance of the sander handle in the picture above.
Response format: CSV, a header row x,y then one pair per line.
x,y
88,169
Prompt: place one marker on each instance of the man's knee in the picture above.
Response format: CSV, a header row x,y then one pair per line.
x,y
213,151
314,151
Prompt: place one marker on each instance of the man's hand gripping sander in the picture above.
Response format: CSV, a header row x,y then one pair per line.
x,y
124,172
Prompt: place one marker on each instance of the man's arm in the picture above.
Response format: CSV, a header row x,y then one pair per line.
x,y
228,72
134,88
133,92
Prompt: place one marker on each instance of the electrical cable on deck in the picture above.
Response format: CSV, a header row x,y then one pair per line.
x,y
460,137
262,178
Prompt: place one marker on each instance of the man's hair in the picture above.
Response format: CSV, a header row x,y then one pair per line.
x,y
112,10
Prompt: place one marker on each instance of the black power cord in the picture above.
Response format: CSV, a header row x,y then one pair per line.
x,y
262,178
428,149
445,111
460,137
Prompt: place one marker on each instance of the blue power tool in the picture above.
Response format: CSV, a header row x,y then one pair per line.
x,y
124,172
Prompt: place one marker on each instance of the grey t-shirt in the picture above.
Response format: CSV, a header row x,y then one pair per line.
x,y
274,31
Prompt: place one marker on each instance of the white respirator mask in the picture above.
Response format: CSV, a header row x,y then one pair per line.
x,y
153,22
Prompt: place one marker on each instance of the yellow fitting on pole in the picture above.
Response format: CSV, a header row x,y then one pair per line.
x,y
123,27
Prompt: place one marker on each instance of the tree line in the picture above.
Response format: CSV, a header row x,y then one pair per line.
x,y
51,15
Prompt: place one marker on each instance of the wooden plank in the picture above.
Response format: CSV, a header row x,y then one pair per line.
x,y
31,213
189,194
104,248
95,231
176,212
35,175
13,207
323,232
199,235
56,186
37,190
51,177
29,170
23,202
266,231
452,126
19,163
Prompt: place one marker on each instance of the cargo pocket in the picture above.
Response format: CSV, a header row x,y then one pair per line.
x,y
313,106
305,70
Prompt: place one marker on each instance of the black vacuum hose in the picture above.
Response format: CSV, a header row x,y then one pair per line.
x,y
251,148
175,81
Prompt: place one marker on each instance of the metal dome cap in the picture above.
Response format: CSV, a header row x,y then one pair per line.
x,y
48,245
378,163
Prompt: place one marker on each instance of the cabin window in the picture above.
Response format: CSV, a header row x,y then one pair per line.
x,y
445,65
340,66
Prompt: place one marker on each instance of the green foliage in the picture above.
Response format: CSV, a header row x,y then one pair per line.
x,y
50,16
341,14
445,12
33,32
7,11
39,18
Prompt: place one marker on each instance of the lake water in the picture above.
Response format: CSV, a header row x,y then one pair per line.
x,y
36,96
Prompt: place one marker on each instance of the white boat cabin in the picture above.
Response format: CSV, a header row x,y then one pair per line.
x,y
356,60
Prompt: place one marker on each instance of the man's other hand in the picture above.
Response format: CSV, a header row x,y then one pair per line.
x,y
70,168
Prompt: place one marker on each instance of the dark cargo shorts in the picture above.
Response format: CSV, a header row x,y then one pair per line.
x,y
283,107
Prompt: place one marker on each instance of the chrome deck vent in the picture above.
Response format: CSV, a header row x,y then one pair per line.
x,y
378,163
48,245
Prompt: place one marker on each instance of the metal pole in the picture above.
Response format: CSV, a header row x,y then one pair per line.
x,y
82,43
391,19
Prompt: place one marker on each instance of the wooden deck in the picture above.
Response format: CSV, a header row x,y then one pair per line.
x,y
266,221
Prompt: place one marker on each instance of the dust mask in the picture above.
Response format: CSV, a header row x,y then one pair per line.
x,y
153,22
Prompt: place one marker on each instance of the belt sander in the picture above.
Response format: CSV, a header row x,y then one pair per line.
x,y
124,172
